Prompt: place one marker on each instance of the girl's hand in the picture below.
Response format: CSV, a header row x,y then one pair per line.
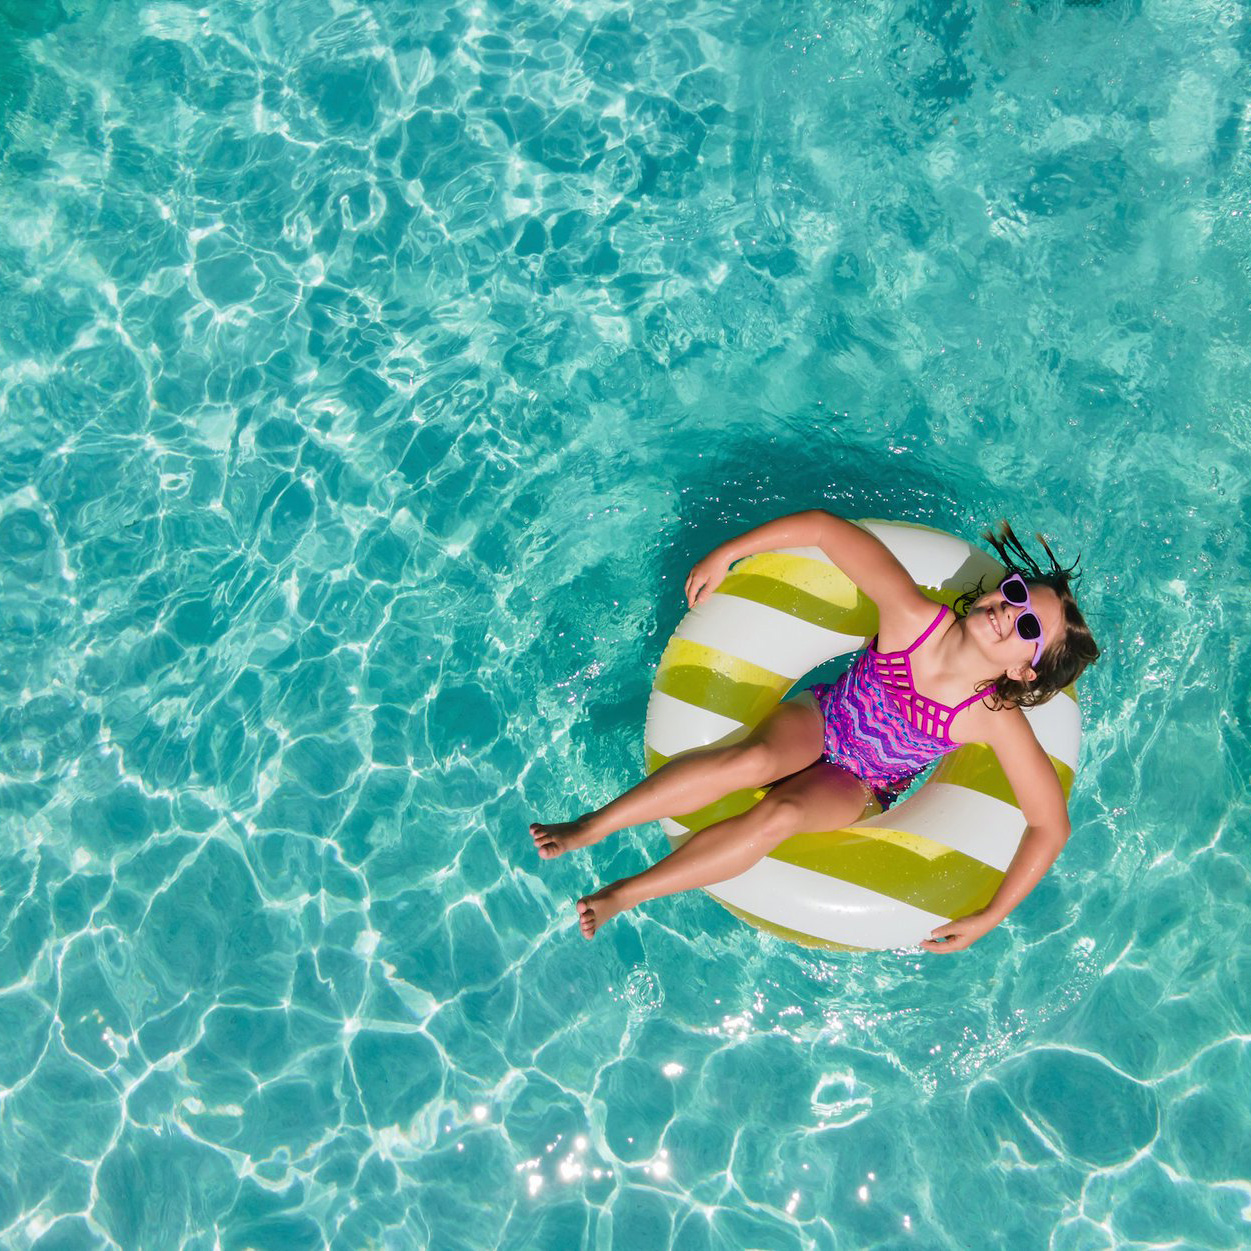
x,y
707,575
959,934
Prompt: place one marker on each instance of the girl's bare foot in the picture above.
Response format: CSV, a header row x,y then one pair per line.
x,y
594,910
554,840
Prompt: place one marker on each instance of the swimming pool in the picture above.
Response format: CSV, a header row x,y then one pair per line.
x,y
371,376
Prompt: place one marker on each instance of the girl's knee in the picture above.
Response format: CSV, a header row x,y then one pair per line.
x,y
755,764
781,815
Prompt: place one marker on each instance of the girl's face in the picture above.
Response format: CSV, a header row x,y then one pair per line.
x,y
992,622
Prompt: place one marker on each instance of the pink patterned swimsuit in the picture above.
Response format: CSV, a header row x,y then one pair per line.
x,y
878,727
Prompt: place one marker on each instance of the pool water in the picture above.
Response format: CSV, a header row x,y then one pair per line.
x,y
370,377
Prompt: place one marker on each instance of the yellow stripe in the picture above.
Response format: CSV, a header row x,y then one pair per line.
x,y
937,879
791,936
807,589
859,619
812,591
917,844
814,577
715,680
976,767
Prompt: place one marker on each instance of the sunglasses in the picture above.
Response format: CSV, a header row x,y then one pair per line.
x,y
1027,625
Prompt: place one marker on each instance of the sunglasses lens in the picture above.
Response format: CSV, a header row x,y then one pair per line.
x,y
1014,591
1029,627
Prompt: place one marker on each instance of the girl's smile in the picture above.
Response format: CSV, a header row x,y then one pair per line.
x,y
1001,618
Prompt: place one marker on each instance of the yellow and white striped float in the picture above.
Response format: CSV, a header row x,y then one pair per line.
x,y
887,880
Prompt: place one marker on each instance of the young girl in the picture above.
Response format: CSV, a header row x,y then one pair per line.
x,y
831,751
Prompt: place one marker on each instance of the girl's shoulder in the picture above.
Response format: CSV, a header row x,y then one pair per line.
x,y
1025,763
1005,728
908,621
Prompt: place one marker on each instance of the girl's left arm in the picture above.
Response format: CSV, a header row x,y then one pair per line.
x,y
1037,790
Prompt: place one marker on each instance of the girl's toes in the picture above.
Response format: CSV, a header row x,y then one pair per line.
x,y
586,918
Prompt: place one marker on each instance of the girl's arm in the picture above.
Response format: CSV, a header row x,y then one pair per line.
x,y
1037,790
867,561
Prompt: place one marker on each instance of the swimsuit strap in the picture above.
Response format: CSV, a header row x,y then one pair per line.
x,y
972,699
945,722
942,612
894,670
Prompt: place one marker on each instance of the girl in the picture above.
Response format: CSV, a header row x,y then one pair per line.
x,y
929,682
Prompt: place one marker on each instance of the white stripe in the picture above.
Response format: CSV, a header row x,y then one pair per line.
x,y
928,557
937,560
965,820
1057,725
825,907
675,726
765,636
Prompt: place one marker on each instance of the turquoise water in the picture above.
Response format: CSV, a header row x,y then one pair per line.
x,y
370,376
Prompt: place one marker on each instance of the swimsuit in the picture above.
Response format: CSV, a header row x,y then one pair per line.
x,y
878,727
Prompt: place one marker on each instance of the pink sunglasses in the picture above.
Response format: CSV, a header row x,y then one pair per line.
x,y
1027,624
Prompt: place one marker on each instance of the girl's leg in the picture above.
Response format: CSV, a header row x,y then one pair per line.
x,y
790,738
822,797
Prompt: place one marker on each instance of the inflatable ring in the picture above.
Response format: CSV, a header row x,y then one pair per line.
x,y
891,878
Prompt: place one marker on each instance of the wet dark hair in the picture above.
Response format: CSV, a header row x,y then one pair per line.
x,y
1064,659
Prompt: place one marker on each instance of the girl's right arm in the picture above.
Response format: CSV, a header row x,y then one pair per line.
x,y
866,560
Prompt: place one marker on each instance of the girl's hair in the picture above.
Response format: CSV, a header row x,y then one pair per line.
x,y
1065,658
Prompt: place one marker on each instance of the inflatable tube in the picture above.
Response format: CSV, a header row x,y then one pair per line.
x,y
891,878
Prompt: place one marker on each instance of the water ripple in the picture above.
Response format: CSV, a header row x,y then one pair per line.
x,y
370,377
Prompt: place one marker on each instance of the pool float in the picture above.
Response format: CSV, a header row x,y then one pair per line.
x,y
891,878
